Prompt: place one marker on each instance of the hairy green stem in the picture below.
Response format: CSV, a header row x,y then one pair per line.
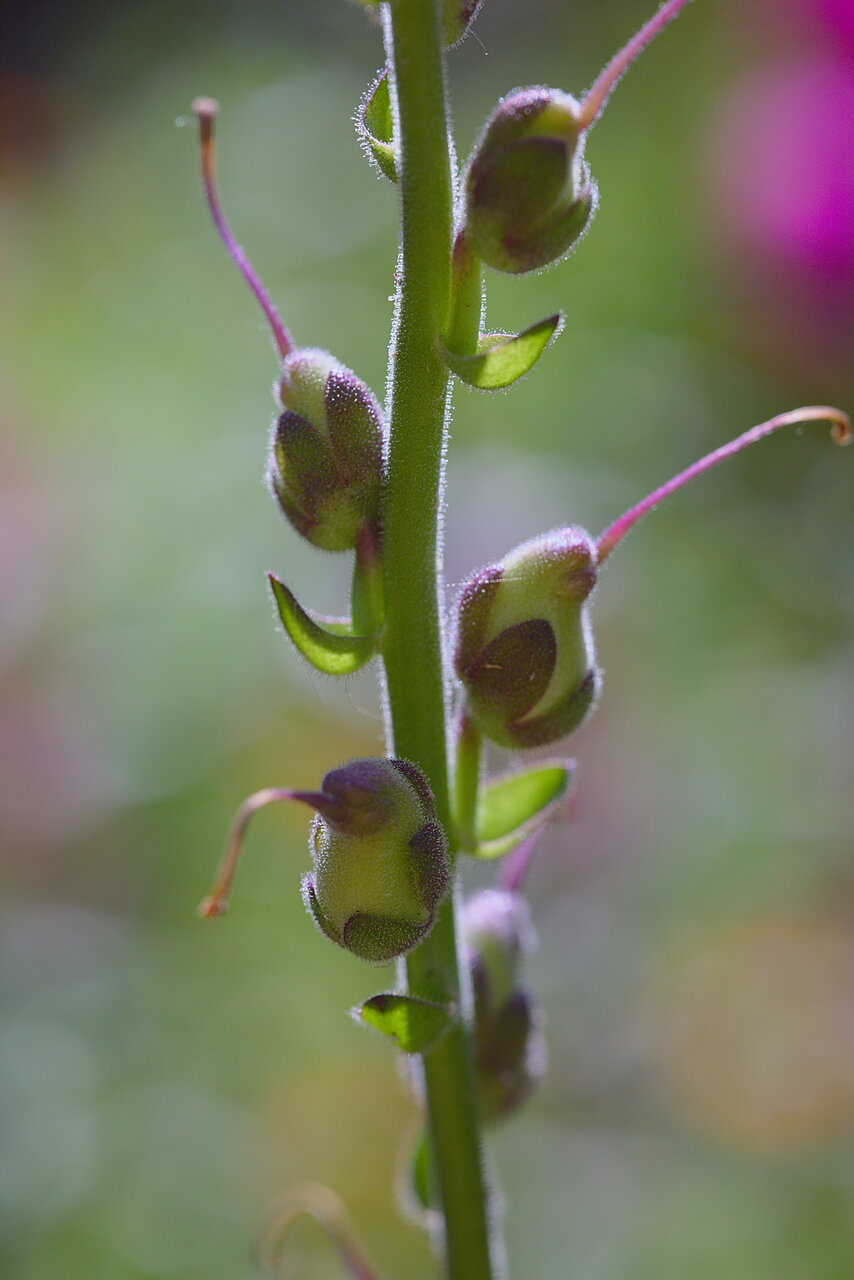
x,y
412,647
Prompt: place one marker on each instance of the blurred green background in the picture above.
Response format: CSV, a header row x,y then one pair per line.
x,y
162,1079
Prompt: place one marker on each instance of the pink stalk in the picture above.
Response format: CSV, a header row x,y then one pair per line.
x,y
515,867
214,905
206,110
841,433
597,96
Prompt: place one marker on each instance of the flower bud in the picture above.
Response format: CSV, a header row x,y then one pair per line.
x,y
510,1055
380,859
326,457
529,196
457,17
524,650
497,931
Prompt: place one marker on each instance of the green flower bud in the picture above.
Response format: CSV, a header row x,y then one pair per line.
x,y
524,651
457,17
380,859
326,456
529,196
510,1054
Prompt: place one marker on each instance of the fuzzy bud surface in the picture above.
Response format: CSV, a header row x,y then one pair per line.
x,y
326,456
524,651
380,859
528,194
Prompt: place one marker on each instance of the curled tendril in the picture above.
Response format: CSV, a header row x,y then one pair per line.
x,y
840,432
594,101
206,111
215,903
311,1200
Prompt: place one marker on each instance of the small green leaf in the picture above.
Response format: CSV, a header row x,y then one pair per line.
x,y
327,643
414,1024
517,804
375,126
502,358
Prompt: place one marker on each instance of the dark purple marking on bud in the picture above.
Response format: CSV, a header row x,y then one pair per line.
x,y
306,527
419,784
378,940
312,906
431,863
357,798
504,1048
513,1059
513,672
564,718
474,612
304,474
354,423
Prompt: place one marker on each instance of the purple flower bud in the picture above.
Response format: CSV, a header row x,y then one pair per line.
x,y
326,456
496,930
510,1054
528,192
457,17
524,650
380,859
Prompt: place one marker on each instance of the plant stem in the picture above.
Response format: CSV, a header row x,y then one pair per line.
x,y
412,640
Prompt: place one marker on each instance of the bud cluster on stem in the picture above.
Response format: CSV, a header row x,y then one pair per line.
x,y
518,669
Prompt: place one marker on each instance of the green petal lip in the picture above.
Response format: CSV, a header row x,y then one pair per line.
x,y
327,643
503,359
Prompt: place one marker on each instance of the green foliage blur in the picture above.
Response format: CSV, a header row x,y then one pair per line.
x,y
161,1078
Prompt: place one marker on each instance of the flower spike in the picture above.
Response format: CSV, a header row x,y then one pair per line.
x,y
206,110
594,100
841,433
